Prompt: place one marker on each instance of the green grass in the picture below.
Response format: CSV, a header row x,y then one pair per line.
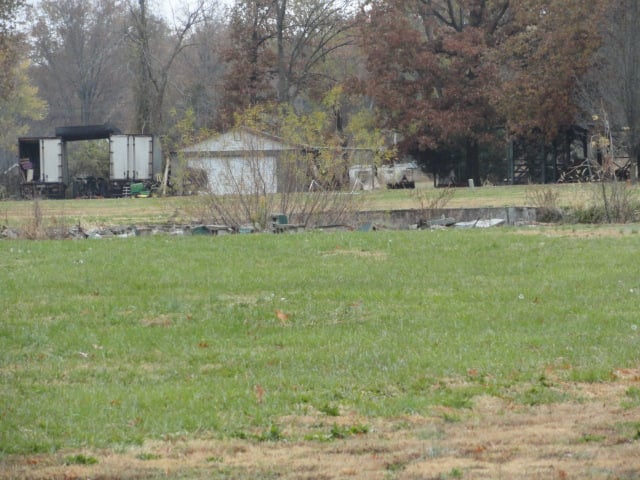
x,y
80,459
113,211
109,343
567,195
482,196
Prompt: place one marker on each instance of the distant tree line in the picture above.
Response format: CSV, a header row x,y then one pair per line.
x,y
442,80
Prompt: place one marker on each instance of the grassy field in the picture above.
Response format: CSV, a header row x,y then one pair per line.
x,y
110,344
182,209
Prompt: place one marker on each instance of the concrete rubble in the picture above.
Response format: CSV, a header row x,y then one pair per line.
x,y
363,221
77,232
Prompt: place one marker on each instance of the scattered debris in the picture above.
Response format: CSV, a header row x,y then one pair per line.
x,y
436,222
366,227
492,222
280,224
6,232
444,222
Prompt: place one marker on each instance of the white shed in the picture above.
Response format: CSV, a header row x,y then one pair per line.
x,y
240,162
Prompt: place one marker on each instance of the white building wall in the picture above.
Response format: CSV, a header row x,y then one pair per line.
x,y
239,175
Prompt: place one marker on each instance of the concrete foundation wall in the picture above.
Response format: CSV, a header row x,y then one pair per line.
x,y
401,219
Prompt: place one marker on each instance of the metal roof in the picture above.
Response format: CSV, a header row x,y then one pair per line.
x,y
240,141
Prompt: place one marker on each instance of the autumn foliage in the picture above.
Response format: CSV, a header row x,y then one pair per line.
x,y
451,74
550,45
450,82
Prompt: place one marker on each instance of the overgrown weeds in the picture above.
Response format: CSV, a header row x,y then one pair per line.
x,y
40,227
619,200
434,198
33,229
611,202
545,199
316,207
431,200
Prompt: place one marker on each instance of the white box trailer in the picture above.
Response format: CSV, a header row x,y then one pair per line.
x,y
399,175
43,165
132,158
52,167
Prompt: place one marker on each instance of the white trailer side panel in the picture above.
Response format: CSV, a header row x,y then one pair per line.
x,y
119,157
142,156
51,168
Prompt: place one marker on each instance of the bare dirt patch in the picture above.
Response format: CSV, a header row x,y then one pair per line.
x,y
594,436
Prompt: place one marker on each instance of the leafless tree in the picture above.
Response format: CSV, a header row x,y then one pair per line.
x,y
285,44
199,75
308,33
614,83
78,58
9,40
157,46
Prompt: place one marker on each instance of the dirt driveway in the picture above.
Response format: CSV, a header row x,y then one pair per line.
x,y
595,436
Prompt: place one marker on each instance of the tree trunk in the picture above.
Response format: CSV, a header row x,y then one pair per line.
x,y
473,161
143,89
283,86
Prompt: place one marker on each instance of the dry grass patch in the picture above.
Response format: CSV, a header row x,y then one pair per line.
x,y
581,231
378,255
591,437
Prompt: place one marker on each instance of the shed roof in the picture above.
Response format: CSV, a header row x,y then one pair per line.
x,y
240,140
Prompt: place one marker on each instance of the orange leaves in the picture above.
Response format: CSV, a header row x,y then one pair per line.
x,y
135,422
282,316
632,374
259,392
